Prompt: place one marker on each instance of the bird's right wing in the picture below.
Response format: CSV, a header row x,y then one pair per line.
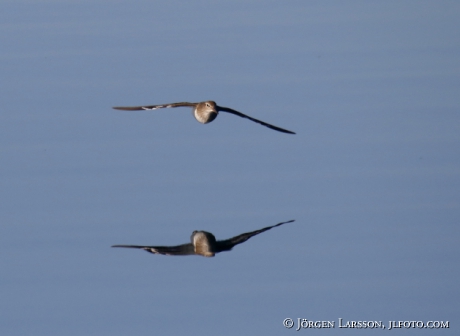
x,y
184,249
242,115
153,107
228,244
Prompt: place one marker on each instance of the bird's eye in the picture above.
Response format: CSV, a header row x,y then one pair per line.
x,y
207,104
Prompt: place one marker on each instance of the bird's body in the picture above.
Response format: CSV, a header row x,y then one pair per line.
x,y
203,243
204,112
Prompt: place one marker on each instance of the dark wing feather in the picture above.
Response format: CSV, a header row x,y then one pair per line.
x,y
276,128
185,249
153,107
228,244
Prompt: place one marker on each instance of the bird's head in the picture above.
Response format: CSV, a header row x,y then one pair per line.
x,y
206,111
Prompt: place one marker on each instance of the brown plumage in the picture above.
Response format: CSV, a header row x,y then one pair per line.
x,y
204,112
203,243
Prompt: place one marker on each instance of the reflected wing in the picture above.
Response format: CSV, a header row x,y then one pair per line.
x,y
227,245
185,249
153,107
229,110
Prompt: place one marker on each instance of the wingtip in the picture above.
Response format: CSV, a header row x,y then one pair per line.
x,y
283,130
282,223
127,108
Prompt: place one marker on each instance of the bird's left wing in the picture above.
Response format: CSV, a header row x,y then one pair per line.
x,y
152,107
184,249
228,244
276,128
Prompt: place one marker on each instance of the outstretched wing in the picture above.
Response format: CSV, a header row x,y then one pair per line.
x,y
227,245
276,128
185,249
153,107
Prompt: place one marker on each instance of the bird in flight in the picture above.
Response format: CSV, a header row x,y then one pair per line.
x,y
203,243
204,112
